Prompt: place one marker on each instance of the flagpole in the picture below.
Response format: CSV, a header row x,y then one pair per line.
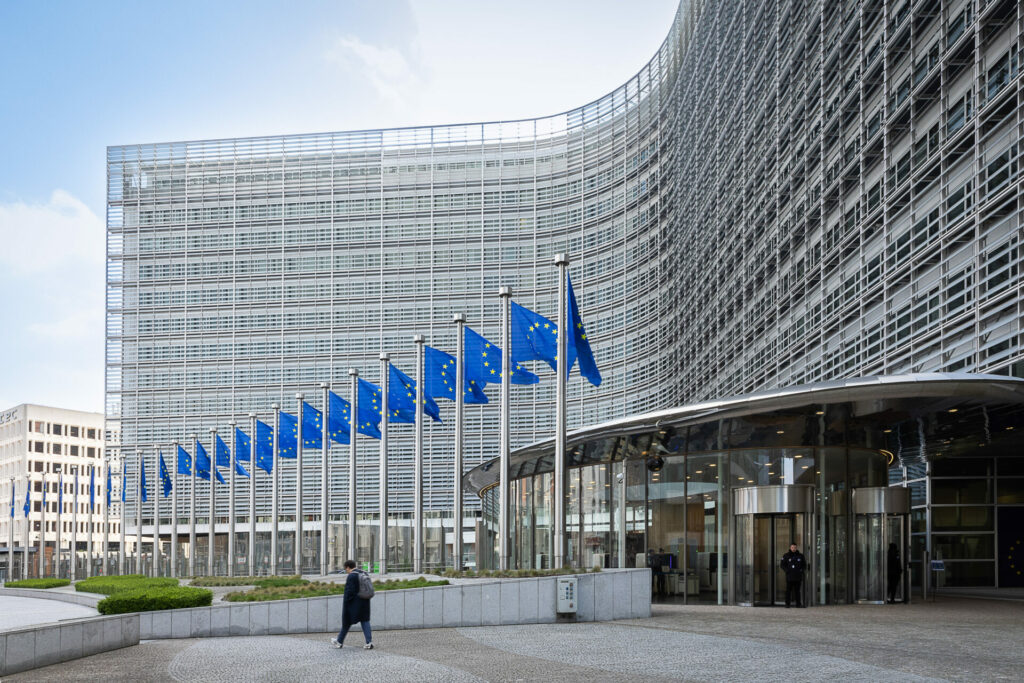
x,y
74,522
275,469
460,380
24,557
174,512
562,261
382,487
192,507
89,521
297,552
10,535
42,531
504,419
353,422
10,538
213,500
60,504
106,516
138,512
251,567
417,475
325,453
124,516
232,464
157,491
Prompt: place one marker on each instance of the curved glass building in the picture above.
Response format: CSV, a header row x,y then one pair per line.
x,y
786,193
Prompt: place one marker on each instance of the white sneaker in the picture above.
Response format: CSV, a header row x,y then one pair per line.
x,y
368,646
335,643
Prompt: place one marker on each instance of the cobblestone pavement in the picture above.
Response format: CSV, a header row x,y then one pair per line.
x,y
18,612
950,639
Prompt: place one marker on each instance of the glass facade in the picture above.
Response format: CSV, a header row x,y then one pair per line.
x,y
785,193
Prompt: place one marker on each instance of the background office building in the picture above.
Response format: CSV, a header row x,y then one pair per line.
x,y
46,447
786,193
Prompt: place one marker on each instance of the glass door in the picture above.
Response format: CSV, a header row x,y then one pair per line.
x,y
869,559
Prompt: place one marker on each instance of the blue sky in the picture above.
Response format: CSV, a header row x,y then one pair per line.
x,y
79,76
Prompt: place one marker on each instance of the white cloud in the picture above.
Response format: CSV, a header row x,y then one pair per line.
x,y
386,69
38,238
52,267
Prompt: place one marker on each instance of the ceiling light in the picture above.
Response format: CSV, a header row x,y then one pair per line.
x,y
887,431
798,455
952,410
780,432
819,412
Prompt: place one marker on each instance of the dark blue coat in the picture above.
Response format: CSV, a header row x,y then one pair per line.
x,y
356,608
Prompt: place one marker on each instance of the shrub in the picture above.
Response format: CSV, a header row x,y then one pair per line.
x,y
280,581
37,583
514,573
150,599
242,580
109,585
317,589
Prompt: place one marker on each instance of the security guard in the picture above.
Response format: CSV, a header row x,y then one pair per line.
x,y
794,564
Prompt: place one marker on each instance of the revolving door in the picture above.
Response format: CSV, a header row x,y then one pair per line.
x,y
881,544
767,520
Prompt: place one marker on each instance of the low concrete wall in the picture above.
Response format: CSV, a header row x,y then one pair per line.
x,y
85,599
606,595
30,648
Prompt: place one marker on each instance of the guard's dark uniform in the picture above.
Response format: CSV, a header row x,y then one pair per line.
x,y
794,564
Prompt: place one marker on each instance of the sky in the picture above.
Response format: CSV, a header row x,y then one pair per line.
x,y
77,77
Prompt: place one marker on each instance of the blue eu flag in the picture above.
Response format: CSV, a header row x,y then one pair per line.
x,y
312,427
184,462
264,447
369,409
203,465
165,478
27,506
338,427
534,337
402,398
439,378
12,500
92,488
142,482
288,438
124,481
243,445
578,345
224,457
110,487
484,362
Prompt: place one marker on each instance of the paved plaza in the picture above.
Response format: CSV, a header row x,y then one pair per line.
x,y
951,639
17,612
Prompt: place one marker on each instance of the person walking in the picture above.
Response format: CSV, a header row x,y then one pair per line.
x,y
895,569
356,604
794,564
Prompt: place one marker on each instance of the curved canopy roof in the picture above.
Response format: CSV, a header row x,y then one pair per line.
x,y
915,417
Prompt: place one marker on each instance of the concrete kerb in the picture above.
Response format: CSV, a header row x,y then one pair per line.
x,y
604,596
36,646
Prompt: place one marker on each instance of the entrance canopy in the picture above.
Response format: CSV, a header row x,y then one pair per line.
x,y
907,418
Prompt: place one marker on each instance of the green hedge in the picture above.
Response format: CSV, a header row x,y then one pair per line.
x,y
109,585
514,573
150,599
317,589
37,583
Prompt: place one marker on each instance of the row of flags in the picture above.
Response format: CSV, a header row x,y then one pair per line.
x,y
533,337
60,493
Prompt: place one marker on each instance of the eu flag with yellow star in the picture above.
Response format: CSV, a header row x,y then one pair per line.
x,y
288,437
577,343
203,465
224,457
165,478
338,424
484,362
370,406
439,378
243,445
402,398
184,461
534,337
264,447
312,427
